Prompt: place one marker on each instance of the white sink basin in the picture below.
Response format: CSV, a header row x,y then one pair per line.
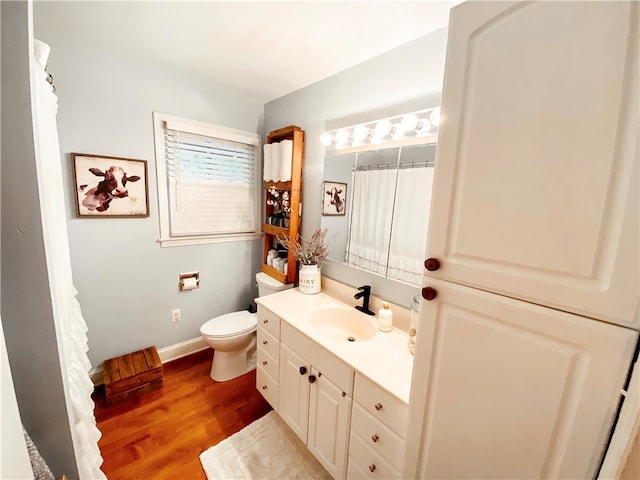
x,y
336,322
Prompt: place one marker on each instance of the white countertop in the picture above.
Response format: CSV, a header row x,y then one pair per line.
x,y
385,358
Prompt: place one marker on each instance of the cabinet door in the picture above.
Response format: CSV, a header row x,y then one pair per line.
x,y
329,420
513,390
536,182
293,405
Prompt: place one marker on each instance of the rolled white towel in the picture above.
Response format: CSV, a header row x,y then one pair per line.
x,y
267,169
275,165
286,157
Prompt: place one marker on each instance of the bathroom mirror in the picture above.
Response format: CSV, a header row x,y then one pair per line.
x,y
388,197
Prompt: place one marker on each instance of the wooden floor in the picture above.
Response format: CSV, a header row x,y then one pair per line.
x,y
161,434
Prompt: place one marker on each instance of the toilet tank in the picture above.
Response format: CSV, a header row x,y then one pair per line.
x,y
268,285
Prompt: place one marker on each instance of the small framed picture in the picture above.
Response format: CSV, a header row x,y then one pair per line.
x,y
334,198
110,186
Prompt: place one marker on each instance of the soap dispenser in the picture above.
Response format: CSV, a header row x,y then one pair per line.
x,y
385,318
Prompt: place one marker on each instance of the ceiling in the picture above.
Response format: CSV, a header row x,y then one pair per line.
x,y
262,49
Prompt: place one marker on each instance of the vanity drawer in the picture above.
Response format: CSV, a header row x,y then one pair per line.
x,y
269,321
378,437
268,387
268,342
384,406
366,461
268,364
355,472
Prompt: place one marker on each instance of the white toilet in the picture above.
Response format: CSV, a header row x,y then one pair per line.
x,y
233,336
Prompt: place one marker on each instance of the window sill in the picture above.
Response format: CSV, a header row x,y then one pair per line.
x,y
202,240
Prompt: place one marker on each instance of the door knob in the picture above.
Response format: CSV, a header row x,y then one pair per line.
x,y
429,293
312,378
303,370
432,264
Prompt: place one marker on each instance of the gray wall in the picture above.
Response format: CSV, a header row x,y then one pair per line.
x,y
406,79
27,315
127,283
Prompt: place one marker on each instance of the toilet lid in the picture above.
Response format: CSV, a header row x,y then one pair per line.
x,y
230,324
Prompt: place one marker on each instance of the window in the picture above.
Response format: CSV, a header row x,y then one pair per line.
x,y
207,182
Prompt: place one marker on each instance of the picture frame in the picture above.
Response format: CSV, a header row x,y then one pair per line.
x,y
110,187
334,198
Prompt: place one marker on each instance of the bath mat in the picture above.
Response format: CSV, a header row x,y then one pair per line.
x,y
265,449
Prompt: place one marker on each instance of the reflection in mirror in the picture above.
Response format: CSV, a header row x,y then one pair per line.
x,y
384,229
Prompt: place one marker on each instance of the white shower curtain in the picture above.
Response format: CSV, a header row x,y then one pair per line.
x,y
70,326
411,214
370,225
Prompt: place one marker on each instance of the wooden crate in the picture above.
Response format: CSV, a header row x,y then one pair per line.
x,y
132,374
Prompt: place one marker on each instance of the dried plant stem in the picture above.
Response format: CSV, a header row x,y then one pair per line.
x,y
308,252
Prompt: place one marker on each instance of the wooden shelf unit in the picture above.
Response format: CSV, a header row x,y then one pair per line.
x,y
294,187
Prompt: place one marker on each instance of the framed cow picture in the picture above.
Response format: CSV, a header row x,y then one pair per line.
x,y
110,186
334,198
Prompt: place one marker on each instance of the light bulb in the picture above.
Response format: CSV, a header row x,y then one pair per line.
x,y
409,122
342,137
435,116
424,127
360,134
326,139
383,127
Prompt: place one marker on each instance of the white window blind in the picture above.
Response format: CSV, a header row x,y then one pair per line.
x,y
207,182
211,184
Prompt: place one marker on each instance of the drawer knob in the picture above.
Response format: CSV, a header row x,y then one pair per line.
x,y
264,342
432,264
375,437
312,378
378,406
372,467
265,321
264,363
264,387
429,293
303,370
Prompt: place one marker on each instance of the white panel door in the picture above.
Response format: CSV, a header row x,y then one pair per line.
x,y
514,390
329,421
293,404
536,182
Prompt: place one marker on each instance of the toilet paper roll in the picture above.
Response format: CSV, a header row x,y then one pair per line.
x,y
189,283
275,162
286,156
267,173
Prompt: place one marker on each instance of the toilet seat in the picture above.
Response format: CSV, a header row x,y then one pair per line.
x,y
230,325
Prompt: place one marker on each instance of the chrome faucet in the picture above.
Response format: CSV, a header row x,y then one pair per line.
x,y
365,293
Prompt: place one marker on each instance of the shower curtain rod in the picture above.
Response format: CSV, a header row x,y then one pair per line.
x,y
388,166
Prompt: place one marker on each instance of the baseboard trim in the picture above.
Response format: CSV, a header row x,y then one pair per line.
x,y
166,354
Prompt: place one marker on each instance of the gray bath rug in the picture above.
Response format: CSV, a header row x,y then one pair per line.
x,y
266,449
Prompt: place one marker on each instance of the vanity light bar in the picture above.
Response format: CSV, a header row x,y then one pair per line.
x,y
409,125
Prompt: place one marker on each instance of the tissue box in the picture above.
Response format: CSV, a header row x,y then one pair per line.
x,y
132,374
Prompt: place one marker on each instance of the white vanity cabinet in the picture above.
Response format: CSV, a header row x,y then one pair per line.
x,y
268,356
378,429
315,398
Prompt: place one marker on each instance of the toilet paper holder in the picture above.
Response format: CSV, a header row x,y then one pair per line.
x,y
189,281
